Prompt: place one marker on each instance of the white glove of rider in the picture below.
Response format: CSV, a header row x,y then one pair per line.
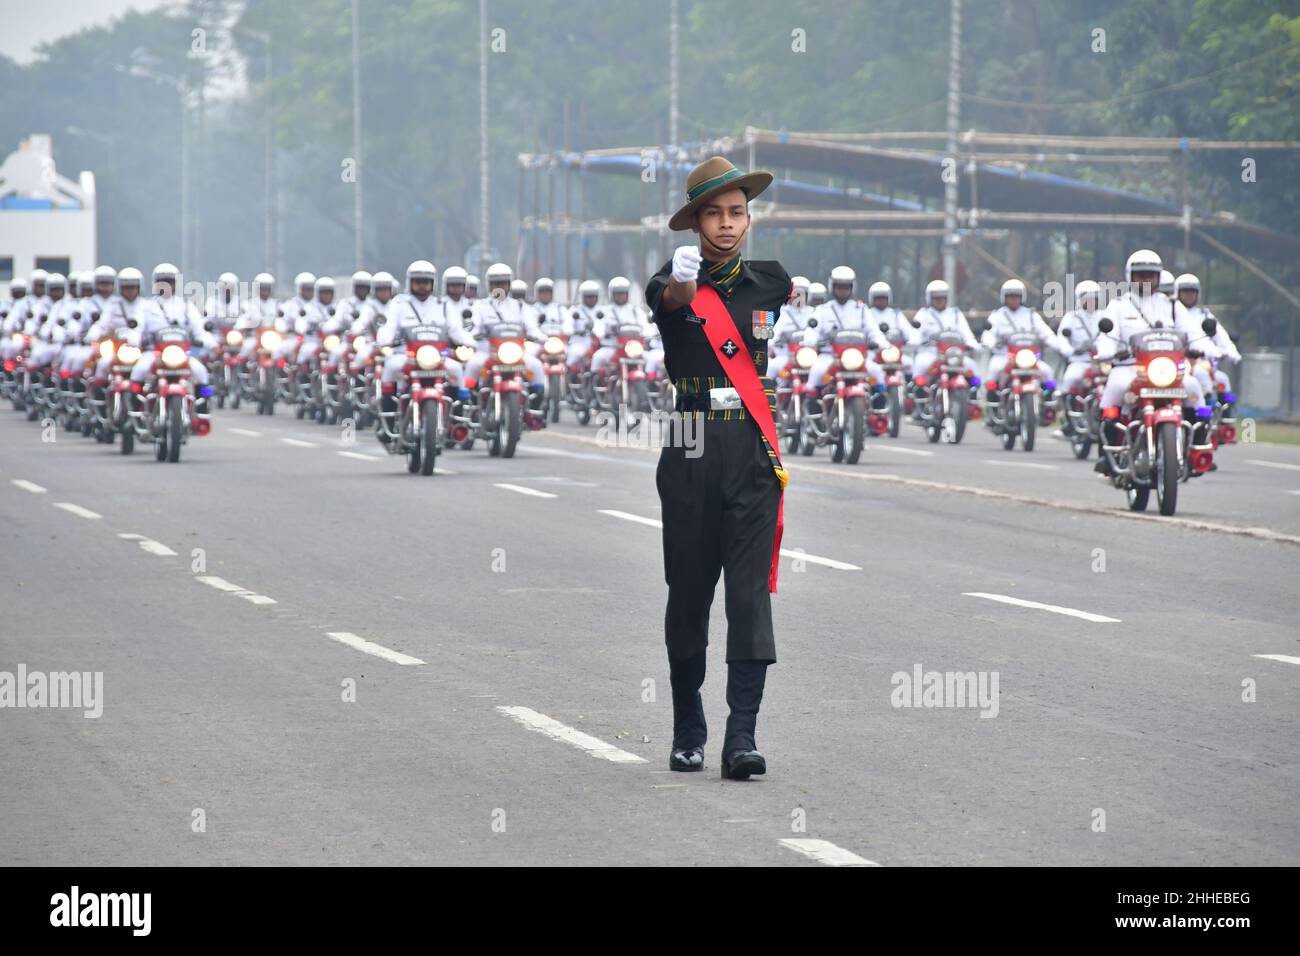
x,y
686,263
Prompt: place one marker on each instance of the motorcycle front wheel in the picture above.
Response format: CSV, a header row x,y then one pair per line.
x,y
854,432
174,429
1028,422
1166,470
430,428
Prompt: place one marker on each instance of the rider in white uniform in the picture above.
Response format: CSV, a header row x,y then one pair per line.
x,y
1077,334
1188,289
937,316
1012,317
790,326
881,312
844,313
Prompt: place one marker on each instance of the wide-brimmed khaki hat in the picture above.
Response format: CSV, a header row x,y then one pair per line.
x,y
716,174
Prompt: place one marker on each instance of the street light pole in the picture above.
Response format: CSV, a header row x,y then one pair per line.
x,y
950,193
484,190
357,228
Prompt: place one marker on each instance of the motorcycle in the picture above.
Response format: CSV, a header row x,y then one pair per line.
x,y
1014,407
579,393
840,418
500,410
790,399
554,352
941,393
120,410
264,380
223,368
622,382
1081,409
422,409
168,404
890,359
1159,449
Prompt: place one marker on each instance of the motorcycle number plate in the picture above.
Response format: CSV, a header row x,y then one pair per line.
x,y
723,399
1163,393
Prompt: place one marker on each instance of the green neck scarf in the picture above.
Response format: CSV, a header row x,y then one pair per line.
x,y
724,275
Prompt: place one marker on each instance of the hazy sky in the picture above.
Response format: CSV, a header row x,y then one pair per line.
x,y
25,23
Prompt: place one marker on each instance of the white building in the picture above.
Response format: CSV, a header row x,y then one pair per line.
x,y
46,220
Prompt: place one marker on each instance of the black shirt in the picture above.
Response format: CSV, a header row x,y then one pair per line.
x,y
763,286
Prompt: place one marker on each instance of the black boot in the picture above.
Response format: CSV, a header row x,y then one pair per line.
x,y
745,680
689,727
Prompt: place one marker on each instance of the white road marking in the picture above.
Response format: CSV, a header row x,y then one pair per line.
x,y
817,559
26,485
298,443
1272,464
1067,611
565,734
150,545
885,446
524,491
77,510
221,584
785,552
360,456
377,650
1294,492
652,522
245,431
824,851
1284,658
1020,464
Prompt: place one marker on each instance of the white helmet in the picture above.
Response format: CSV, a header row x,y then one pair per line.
x,y
518,289
39,275
304,278
843,274
619,284
325,283
1012,287
228,279
420,269
264,278
936,288
1187,281
1144,260
471,282
129,276
454,274
1086,288
86,283
105,274
877,290
1166,282
799,283
590,287
499,272
816,293
385,280
545,282
57,279
167,271
18,283
362,276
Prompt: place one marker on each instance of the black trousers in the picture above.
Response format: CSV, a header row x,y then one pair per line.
x,y
719,516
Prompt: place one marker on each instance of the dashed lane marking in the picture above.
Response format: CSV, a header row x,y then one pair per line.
x,y
77,510
1284,658
375,650
298,443
565,734
520,489
1055,609
824,851
150,545
26,485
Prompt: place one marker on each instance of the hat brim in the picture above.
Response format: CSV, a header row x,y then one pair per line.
x,y
752,183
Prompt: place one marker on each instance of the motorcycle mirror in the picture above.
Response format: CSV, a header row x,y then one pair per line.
x,y
356,314
279,312
1106,326
302,312
812,323
330,310
468,314
575,313
58,321
208,326
884,326
131,323
1209,326
600,314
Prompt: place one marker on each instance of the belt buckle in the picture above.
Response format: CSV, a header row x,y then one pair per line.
x,y
724,399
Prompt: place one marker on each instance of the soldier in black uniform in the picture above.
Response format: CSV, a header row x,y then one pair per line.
x,y
720,508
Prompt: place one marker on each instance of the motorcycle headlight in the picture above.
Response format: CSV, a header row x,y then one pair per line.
x,y
1162,371
510,353
270,339
173,356
331,342
1105,368
634,349
17,339
234,338
554,345
952,356
890,354
464,353
106,350
128,354
1025,358
806,356
852,359
427,357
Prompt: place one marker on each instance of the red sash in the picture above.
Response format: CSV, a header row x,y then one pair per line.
x,y
721,330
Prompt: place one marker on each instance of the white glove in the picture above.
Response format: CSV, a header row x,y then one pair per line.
x,y
686,263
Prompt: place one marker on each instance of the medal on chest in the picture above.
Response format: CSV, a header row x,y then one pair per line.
x,y
763,321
